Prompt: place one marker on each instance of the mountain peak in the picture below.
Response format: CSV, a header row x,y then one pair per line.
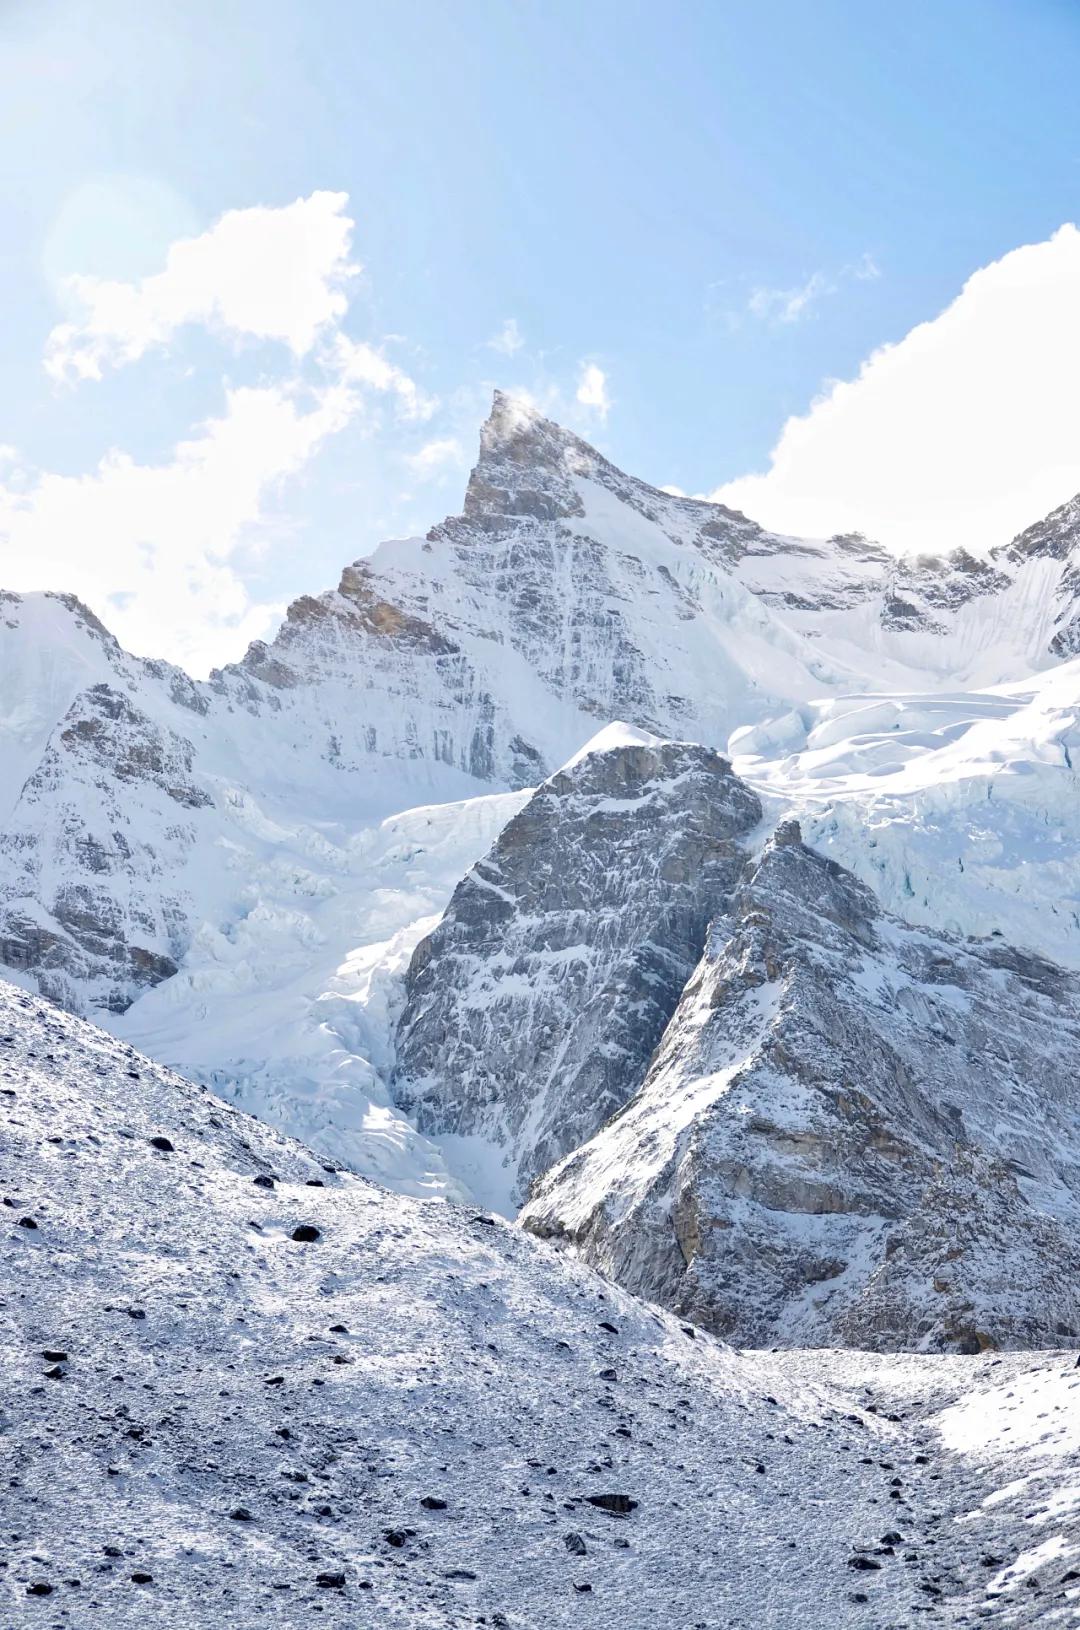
x,y
514,424
1056,535
526,465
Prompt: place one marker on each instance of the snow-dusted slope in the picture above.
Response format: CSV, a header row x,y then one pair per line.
x,y
420,1418
853,1131
533,1009
289,1011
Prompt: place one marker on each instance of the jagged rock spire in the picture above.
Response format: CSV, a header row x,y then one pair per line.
x,y
526,465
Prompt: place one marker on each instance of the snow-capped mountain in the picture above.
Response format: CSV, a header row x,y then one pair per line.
x,y
235,874
483,656
244,1387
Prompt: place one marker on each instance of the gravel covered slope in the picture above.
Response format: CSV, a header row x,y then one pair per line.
x,y
207,1423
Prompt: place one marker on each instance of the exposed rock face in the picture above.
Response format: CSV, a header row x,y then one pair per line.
x,y
534,1007
88,902
852,1131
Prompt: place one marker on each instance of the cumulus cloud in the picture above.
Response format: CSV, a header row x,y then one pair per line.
x,y
156,540
164,550
592,389
509,338
263,273
962,433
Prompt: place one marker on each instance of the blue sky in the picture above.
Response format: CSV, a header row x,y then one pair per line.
x,y
716,208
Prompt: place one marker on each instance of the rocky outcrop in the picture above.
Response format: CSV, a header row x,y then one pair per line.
x,y
88,901
853,1131
533,1009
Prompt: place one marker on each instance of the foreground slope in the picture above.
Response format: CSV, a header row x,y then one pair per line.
x,y
853,1131
416,1418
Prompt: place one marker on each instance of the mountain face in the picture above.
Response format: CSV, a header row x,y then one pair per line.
x,y
532,1010
853,1131
321,882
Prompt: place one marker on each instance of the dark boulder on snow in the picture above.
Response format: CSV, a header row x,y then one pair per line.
x,y
620,1505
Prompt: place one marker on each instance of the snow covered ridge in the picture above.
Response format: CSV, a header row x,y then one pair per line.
x,y
852,1131
241,1387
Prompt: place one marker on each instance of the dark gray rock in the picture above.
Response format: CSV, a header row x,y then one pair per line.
x,y
854,1132
532,1010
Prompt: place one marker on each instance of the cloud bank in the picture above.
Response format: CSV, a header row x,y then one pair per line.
x,y
962,433
267,274
168,532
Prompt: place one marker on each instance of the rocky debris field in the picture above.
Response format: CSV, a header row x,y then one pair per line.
x,y
241,1388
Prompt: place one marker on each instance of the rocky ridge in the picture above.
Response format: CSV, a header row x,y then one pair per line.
x,y
567,594
532,1010
236,872
853,1131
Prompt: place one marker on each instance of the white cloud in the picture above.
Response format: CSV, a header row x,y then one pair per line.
x,y
276,274
592,389
436,455
164,551
784,306
788,305
962,433
509,338
357,363
155,540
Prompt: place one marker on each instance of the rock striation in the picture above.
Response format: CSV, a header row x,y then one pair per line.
x,y
854,1131
532,1010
